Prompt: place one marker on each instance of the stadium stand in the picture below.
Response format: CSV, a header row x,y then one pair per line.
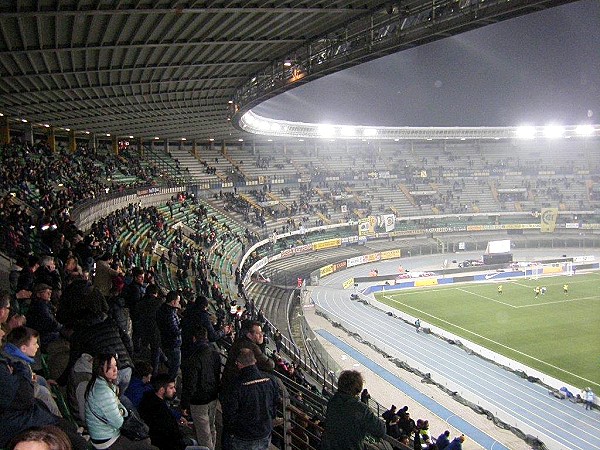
x,y
195,242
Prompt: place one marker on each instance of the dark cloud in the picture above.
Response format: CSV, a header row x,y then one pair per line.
x,y
533,69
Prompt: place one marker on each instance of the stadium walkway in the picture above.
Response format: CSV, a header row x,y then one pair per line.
x,y
558,423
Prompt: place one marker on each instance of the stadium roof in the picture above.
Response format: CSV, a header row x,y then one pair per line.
x,y
171,69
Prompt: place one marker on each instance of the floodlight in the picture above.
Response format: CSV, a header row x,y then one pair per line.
x,y
325,130
107,134
275,126
24,120
156,138
348,131
183,139
584,130
525,132
287,63
240,140
554,131
370,132
130,137
1,115
67,129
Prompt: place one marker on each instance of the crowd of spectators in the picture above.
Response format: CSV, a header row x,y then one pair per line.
x,y
109,318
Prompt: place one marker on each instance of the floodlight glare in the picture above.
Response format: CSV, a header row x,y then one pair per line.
x,y
325,130
275,126
348,131
554,131
370,132
584,130
526,132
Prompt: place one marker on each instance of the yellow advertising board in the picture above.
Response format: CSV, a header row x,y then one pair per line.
x,y
329,243
326,270
348,283
390,254
430,282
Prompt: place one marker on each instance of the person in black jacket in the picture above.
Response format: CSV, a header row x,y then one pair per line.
x,y
197,314
201,377
169,326
102,335
146,333
249,406
19,410
41,318
166,431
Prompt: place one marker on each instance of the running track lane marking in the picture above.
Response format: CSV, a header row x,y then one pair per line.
x,y
462,425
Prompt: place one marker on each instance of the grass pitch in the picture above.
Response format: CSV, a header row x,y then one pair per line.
x,y
555,333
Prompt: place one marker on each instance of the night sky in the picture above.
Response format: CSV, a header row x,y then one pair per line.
x,y
536,69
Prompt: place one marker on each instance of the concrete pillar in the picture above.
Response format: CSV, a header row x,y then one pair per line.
x,y
195,148
94,143
30,133
52,139
4,130
115,145
140,147
223,147
72,142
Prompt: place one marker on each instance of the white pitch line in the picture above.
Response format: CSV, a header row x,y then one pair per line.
x,y
495,342
558,301
487,298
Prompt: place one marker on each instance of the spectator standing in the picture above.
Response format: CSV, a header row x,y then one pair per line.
x,y
104,274
201,378
589,398
365,396
102,335
197,314
443,440
389,414
169,326
251,337
249,406
342,433
146,334
278,339
456,443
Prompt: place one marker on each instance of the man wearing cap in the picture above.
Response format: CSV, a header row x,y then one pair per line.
x,y
40,315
